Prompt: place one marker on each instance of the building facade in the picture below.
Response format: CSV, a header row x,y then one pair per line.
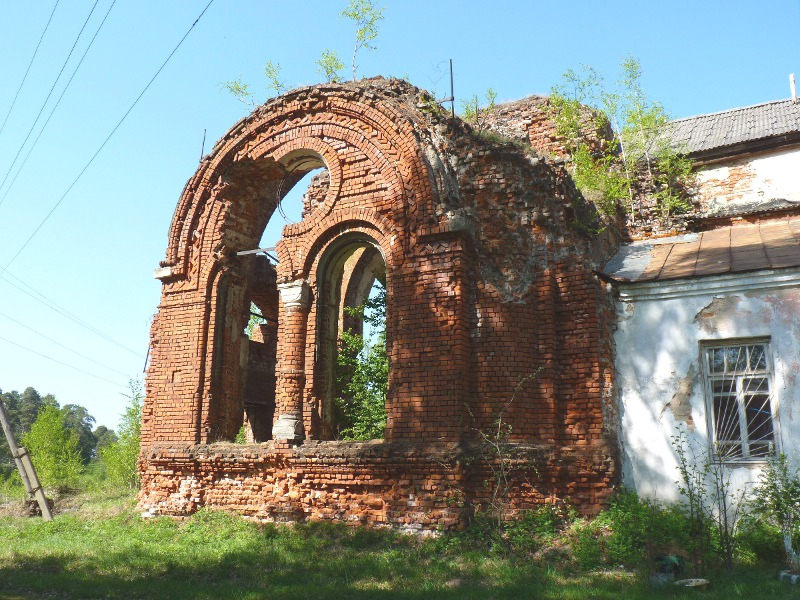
x,y
708,321
498,327
537,350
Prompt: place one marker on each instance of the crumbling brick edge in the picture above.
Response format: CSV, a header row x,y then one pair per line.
x,y
414,487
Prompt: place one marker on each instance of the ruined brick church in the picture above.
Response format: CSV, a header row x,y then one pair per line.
x,y
498,311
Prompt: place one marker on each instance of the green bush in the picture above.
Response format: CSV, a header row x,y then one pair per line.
x,y
640,529
54,449
777,500
538,527
120,458
759,541
588,543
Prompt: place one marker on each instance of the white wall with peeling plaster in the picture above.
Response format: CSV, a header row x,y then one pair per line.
x,y
661,326
746,183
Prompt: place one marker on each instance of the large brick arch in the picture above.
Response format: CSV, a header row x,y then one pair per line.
x,y
494,316
378,174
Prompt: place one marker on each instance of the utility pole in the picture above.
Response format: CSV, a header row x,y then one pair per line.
x,y
25,466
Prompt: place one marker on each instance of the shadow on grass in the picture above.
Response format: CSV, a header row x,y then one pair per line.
x,y
219,556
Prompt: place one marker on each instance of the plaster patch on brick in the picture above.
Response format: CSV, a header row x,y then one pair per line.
x,y
680,404
719,307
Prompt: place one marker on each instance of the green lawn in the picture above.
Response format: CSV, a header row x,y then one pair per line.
x,y
103,549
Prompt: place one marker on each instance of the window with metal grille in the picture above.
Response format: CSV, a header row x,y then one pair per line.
x,y
739,381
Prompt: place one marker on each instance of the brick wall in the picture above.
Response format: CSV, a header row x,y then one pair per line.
x,y
493,312
415,487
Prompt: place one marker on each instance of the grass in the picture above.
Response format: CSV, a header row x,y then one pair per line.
x,y
98,547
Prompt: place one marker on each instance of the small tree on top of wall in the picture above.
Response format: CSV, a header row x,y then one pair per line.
x,y
639,159
365,15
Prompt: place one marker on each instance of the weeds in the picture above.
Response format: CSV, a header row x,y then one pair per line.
x,y
101,548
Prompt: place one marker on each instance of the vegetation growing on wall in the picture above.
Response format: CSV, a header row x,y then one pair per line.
x,y
365,15
474,111
638,161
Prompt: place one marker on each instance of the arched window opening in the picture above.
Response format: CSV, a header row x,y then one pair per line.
x,y
296,202
354,357
261,353
298,194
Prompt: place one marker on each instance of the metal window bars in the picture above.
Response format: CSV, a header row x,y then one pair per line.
x,y
741,400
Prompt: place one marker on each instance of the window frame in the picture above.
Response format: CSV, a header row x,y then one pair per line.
x,y
708,378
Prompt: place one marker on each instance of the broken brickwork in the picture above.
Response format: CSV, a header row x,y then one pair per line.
x,y
494,312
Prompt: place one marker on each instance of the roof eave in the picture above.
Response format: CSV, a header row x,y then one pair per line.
x,y
749,147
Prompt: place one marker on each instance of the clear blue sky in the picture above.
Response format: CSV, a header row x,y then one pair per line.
x,y
95,256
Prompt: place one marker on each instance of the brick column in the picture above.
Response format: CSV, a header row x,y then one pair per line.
x,y
291,377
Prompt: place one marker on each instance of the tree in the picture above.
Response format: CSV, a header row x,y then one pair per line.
x,y
54,449
104,436
362,373
365,15
78,419
22,409
582,127
639,158
330,65
120,458
272,71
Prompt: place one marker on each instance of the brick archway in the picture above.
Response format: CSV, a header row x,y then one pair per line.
x,y
377,174
494,312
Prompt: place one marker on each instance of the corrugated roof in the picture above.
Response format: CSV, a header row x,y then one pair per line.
x,y
742,246
735,126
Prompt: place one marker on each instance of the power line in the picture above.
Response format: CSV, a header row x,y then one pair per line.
x,y
60,362
55,106
57,343
42,299
50,93
30,64
108,137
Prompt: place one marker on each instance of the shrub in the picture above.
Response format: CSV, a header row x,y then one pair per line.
x,y
120,458
759,541
777,499
588,544
641,531
538,527
54,449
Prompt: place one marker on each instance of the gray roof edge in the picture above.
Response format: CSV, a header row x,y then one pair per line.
x,y
731,110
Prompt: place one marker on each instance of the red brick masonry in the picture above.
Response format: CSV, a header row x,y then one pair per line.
x,y
493,312
414,487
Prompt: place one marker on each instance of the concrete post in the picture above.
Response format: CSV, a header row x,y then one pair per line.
x,y
26,471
